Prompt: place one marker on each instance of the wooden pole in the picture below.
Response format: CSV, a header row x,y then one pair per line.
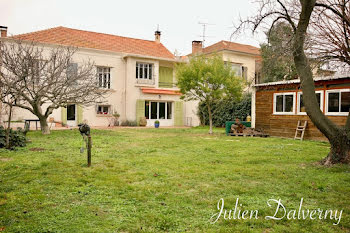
x,y
89,151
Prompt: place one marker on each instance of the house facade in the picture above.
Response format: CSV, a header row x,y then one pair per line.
x,y
279,105
137,76
243,59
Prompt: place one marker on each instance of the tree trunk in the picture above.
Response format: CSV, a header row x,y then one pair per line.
x,y
340,150
43,125
210,119
338,137
7,134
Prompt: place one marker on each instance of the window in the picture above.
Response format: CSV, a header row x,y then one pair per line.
x,y
103,109
284,103
158,110
37,67
338,102
72,70
301,107
144,71
104,77
237,68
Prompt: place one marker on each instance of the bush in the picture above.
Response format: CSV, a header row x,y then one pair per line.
x,y
17,138
226,110
129,123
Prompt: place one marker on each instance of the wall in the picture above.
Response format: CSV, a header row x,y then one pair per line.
x,y
114,96
191,117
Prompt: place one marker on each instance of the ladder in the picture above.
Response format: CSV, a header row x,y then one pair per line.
x,y
301,129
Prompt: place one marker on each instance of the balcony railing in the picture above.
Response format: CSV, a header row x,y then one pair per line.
x,y
167,84
145,81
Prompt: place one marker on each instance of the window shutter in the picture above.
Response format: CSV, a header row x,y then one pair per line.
x,y
80,114
165,77
64,115
179,117
140,110
245,72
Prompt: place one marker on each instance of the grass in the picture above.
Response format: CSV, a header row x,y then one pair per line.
x,y
155,180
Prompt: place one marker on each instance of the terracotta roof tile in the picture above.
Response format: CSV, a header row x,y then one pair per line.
x,y
232,46
94,40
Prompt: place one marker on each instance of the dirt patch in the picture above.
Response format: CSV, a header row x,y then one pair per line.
x,y
36,149
5,159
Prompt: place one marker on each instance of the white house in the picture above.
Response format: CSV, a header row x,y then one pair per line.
x,y
137,74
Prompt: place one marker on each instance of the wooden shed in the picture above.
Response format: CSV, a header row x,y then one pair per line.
x,y
277,106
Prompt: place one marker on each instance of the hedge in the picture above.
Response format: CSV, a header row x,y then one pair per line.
x,y
226,110
17,138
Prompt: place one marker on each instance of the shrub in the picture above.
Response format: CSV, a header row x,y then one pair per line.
x,y
143,121
226,110
17,138
129,123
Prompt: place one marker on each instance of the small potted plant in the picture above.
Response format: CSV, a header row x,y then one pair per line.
x,y
156,124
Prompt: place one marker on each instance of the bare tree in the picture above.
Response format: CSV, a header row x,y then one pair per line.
x,y
330,30
299,14
43,79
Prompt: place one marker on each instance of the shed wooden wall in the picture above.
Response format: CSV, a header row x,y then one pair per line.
x,y
284,125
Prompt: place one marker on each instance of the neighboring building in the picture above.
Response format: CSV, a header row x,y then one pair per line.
x,y
137,74
244,59
277,106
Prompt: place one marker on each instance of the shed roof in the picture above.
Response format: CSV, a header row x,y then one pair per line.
x,y
318,78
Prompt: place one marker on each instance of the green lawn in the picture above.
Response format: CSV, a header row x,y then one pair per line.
x,y
155,180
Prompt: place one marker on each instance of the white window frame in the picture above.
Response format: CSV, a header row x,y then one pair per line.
x,y
104,105
298,106
283,94
239,68
137,73
336,113
103,72
166,110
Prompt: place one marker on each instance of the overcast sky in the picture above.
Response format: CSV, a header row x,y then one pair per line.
x,y
178,20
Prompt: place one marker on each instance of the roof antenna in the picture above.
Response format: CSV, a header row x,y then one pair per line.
x,y
204,31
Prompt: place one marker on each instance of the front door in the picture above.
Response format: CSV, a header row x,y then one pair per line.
x,y
71,115
161,111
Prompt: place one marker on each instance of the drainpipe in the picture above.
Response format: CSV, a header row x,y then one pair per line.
x,y
125,84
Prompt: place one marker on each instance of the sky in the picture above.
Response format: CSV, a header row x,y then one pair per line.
x,y
178,20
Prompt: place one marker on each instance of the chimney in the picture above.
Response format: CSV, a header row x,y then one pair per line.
x,y
197,46
3,31
157,36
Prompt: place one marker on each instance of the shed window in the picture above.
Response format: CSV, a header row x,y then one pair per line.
x,y
301,107
338,102
284,103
